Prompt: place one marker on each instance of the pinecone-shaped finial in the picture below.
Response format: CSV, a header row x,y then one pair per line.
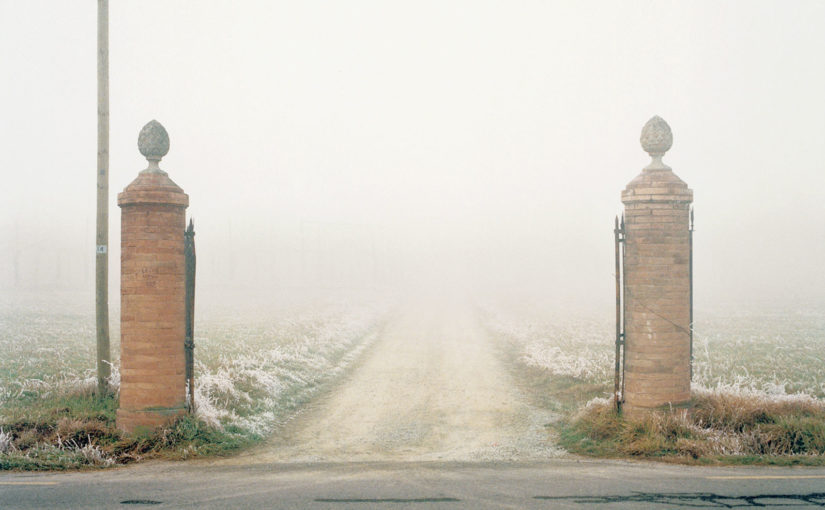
x,y
153,142
656,140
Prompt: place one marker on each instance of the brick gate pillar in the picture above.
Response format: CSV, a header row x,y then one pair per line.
x,y
152,329
657,281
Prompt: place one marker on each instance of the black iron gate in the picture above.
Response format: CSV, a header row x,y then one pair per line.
x,y
690,276
189,341
618,380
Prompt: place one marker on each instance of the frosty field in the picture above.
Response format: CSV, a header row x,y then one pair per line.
x,y
254,365
773,354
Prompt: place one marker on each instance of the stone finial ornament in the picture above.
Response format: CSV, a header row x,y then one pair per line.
x,y
656,139
153,142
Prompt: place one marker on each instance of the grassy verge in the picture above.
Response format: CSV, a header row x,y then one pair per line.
x,y
560,393
77,430
721,429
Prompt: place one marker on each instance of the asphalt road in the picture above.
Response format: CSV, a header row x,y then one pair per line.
x,y
559,483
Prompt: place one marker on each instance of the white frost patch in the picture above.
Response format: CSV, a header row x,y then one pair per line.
x,y
776,356
261,379
6,441
565,345
767,392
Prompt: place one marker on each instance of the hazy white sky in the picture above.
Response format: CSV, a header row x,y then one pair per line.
x,y
488,139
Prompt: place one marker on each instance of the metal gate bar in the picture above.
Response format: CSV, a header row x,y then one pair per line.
x,y
690,277
618,380
189,342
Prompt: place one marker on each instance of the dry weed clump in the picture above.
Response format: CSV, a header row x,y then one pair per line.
x,y
721,427
737,412
77,430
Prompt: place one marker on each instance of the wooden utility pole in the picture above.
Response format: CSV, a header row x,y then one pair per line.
x,y
16,249
102,256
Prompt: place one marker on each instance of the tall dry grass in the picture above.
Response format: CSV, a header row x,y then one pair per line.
x,y
720,426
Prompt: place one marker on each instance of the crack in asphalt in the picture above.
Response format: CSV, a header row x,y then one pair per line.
x,y
699,499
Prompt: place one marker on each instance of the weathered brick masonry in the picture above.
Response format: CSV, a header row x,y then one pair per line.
x,y
657,282
153,387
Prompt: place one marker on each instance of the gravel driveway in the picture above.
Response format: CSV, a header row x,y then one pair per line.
x,y
431,388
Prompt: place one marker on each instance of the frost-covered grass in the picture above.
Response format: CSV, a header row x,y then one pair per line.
x,y
256,364
565,345
776,354
48,344
252,376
